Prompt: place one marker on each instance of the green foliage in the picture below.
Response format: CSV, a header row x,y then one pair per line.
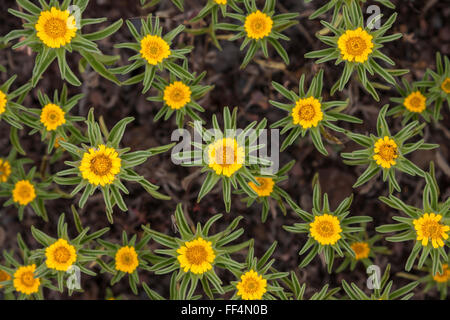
x,y
321,206
406,225
331,112
97,135
365,156
384,292
85,253
187,282
281,22
352,20
84,44
150,27
190,108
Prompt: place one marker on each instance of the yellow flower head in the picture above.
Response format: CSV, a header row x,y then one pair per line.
x,y
444,276
4,277
154,49
265,188
23,192
24,280
5,170
415,102
220,1
325,229
99,166
225,156
60,255
56,28
361,250
177,95
3,101
258,25
52,116
126,259
446,85
428,228
355,45
386,151
307,112
252,286
57,140
196,256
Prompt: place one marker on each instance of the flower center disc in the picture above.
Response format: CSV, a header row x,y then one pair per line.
x,y
53,116
177,95
416,102
307,112
358,248
55,28
101,165
127,259
24,191
251,285
262,183
153,49
225,155
61,255
196,254
356,46
387,152
258,25
325,229
27,279
431,229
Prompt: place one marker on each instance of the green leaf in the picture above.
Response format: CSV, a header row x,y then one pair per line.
x,y
211,180
106,32
99,67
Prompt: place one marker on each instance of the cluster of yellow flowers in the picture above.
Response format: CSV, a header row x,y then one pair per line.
x,y
98,162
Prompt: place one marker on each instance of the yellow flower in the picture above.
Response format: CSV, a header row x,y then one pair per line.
x,y
265,188
24,280
60,255
23,192
4,277
220,1
415,102
361,250
258,25
56,28
225,156
126,259
355,45
428,228
307,112
57,140
52,116
99,166
3,101
177,95
325,229
5,170
444,86
154,49
386,151
196,256
444,276
252,286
